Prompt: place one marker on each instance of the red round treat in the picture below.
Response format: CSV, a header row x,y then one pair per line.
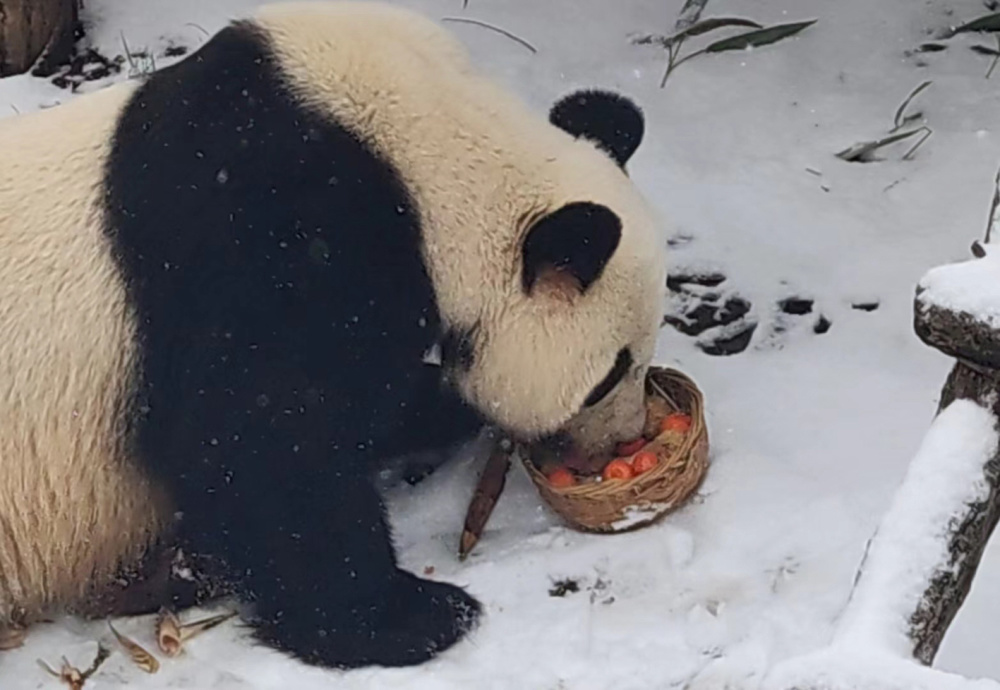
x,y
617,469
644,462
631,447
560,478
676,422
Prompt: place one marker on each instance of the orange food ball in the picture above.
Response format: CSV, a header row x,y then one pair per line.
x,y
630,448
617,469
644,462
560,478
676,422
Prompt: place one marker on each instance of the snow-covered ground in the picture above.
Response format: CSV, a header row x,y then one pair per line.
x,y
811,433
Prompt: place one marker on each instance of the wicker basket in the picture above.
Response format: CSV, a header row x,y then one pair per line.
x,y
622,505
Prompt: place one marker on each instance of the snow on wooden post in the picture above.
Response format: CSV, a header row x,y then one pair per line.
x,y
916,572
957,311
35,33
920,563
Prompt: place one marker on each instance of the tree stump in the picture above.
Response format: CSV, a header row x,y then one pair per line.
x,y
36,35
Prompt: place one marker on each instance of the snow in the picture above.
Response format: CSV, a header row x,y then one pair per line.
x,y
972,287
811,434
871,647
639,515
835,670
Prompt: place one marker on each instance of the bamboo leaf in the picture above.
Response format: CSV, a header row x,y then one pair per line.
x,y
760,37
898,120
984,50
988,22
996,57
703,27
713,23
862,151
994,205
913,149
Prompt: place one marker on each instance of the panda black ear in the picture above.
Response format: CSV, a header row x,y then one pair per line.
x,y
611,121
568,249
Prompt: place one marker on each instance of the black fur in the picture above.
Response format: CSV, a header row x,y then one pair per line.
x,y
579,238
612,121
623,363
274,263
458,349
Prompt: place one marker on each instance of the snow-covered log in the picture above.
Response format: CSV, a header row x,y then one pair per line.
x,y
957,309
959,335
920,563
968,531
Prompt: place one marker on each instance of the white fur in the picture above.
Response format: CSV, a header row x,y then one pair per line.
x,y
71,504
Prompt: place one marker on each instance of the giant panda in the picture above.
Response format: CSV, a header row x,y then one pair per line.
x,y
319,241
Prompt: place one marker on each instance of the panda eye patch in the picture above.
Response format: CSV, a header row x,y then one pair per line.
x,y
623,362
578,240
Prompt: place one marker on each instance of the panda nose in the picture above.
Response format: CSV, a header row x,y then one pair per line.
x,y
571,454
559,443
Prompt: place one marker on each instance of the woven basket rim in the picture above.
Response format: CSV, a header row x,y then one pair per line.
x,y
633,493
676,459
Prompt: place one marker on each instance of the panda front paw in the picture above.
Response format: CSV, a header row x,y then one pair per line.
x,y
411,623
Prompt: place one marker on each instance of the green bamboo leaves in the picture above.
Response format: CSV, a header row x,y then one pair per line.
x,y
761,37
703,27
690,25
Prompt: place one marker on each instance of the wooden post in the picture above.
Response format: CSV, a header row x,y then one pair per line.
x,y
921,562
36,35
969,534
975,343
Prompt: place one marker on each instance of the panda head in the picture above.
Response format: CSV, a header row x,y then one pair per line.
x,y
565,352
547,267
